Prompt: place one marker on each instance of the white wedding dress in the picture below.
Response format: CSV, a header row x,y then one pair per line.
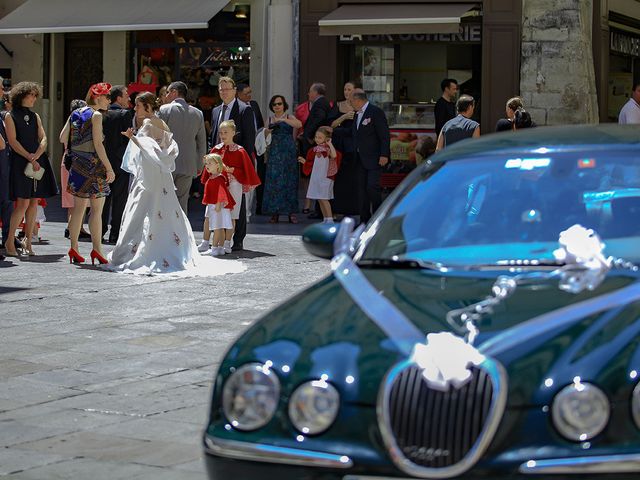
x,y
155,236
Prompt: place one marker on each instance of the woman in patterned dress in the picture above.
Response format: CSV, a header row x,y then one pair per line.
x,y
28,143
91,172
281,178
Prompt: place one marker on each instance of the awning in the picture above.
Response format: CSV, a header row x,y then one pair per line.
x,y
405,18
58,16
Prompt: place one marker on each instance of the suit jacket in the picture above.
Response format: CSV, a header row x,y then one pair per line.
x,y
258,114
242,114
317,118
115,121
372,139
187,125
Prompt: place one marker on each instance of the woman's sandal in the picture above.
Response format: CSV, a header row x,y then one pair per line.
x,y
274,219
306,211
293,218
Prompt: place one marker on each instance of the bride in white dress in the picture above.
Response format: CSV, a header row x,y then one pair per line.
x,y
155,236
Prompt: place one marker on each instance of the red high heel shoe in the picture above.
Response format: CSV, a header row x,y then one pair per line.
x,y
74,257
96,256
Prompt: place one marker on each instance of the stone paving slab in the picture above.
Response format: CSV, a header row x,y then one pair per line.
x,y
108,376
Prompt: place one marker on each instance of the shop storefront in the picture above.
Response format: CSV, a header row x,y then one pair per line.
x,y
624,69
402,73
198,57
401,51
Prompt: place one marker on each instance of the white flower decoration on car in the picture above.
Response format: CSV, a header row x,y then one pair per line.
x,y
585,264
445,360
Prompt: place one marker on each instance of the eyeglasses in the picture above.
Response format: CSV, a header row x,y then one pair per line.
x,y
277,104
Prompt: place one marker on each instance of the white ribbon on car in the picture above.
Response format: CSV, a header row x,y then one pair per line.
x,y
445,358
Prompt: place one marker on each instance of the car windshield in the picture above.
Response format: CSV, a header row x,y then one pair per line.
x,y
488,211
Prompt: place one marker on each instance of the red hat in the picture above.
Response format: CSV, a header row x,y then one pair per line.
x,y
100,89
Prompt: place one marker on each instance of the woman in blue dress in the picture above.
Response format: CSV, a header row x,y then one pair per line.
x,y
281,177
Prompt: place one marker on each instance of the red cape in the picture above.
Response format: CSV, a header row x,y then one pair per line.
x,y
216,190
235,156
334,164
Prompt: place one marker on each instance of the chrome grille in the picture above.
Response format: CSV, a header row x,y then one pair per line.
x,y
431,433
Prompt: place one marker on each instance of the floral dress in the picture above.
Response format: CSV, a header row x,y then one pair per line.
x,y
87,176
281,178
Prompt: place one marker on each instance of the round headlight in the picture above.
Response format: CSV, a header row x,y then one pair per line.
x,y
314,406
580,411
250,396
635,405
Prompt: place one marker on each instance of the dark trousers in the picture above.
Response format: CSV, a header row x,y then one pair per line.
x,y
369,192
6,205
262,172
241,226
115,202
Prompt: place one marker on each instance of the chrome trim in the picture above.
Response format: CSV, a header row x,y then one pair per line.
x,y
498,377
629,463
258,452
395,325
635,404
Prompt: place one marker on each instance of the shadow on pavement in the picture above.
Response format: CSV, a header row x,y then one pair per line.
x,y
4,290
246,254
43,258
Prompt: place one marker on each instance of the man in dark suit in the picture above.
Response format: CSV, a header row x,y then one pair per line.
x,y
372,145
244,94
241,113
318,114
114,121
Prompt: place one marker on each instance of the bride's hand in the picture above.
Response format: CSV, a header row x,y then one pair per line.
x,y
128,133
111,176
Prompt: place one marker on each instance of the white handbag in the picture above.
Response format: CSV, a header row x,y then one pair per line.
x,y
31,173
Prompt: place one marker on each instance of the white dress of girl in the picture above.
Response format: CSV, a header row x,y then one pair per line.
x,y
155,236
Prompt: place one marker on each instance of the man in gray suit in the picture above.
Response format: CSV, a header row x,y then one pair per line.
x,y
187,125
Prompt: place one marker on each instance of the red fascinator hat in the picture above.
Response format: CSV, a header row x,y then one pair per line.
x,y
100,89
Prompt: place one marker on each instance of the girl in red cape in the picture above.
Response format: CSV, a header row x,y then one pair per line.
x,y
322,162
240,171
218,200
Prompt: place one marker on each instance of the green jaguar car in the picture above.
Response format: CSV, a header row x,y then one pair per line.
x,y
484,324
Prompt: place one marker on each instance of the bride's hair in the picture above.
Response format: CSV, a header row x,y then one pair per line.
x,y
148,99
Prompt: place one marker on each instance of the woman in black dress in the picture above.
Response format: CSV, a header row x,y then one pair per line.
x,y
28,144
345,200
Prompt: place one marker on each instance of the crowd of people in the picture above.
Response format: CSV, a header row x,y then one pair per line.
x,y
134,166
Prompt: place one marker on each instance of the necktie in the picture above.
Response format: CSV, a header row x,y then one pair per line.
x,y
224,111
358,119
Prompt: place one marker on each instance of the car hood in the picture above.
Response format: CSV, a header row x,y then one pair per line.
x,y
323,332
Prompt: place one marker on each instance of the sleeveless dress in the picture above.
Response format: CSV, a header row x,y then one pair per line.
x,y
21,186
87,176
281,177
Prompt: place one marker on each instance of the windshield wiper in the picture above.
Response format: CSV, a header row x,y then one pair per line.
x,y
402,263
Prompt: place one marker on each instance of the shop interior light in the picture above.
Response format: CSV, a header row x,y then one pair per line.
x,y
241,11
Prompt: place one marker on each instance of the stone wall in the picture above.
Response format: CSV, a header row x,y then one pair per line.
x,y
557,79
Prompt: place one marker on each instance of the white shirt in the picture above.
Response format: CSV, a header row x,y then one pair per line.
x,y
227,113
630,113
360,114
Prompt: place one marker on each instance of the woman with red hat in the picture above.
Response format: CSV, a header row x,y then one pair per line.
x,y
90,173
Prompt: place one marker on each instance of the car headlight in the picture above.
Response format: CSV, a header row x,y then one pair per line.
x,y
580,411
314,406
250,396
635,405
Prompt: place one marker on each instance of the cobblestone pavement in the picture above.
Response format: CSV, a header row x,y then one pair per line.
x,y
108,376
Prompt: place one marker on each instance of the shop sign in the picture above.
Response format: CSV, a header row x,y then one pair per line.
x,y
471,33
625,44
